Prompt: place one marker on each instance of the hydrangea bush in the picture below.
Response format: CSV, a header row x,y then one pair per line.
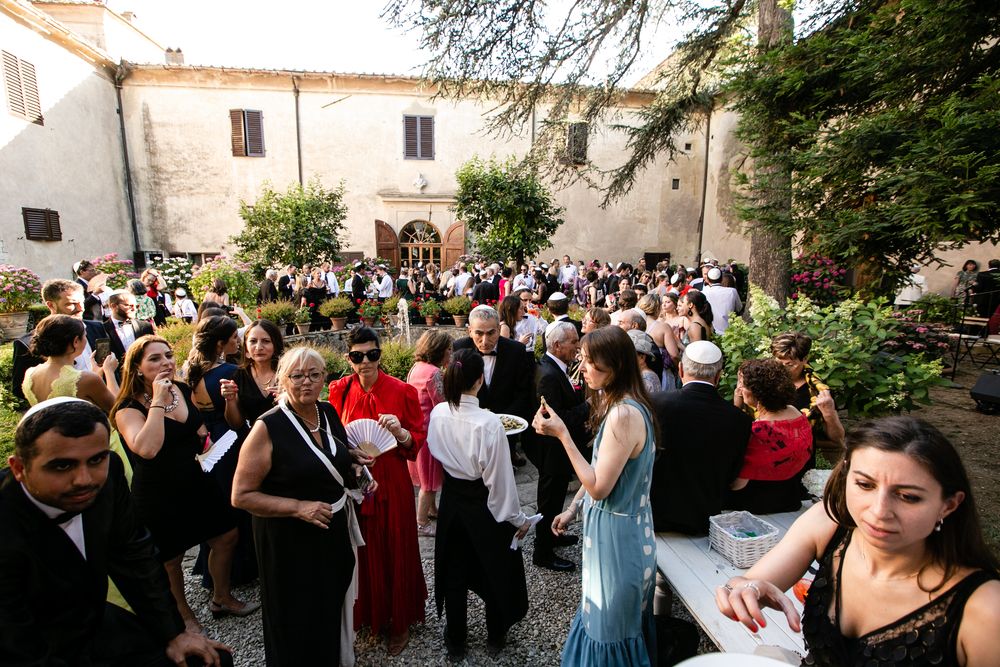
x,y
819,279
20,287
119,271
176,272
237,275
854,351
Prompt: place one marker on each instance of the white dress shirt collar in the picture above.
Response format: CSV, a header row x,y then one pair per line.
x,y
559,362
73,527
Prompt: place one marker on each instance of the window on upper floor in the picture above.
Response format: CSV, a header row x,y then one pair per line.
x,y
41,224
22,89
247,132
576,143
418,137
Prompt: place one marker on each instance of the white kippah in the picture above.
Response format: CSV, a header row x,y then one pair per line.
x,y
557,296
38,407
703,352
714,273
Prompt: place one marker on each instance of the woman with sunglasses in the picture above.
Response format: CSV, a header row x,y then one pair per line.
x,y
391,588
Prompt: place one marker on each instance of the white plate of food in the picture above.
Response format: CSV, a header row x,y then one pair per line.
x,y
512,424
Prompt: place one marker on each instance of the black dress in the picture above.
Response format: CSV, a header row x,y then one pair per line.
x,y
925,636
174,498
251,401
315,296
305,570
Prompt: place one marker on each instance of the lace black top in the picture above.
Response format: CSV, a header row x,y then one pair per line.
x,y
925,636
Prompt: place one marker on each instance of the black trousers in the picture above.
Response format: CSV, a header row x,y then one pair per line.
x,y
124,642
551,496
467,574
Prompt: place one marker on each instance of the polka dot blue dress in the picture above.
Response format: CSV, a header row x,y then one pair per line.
x,y
614,625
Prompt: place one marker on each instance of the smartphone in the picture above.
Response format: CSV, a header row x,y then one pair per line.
x,y
365,480
103,350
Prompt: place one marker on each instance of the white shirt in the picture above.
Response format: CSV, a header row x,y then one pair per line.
x,y
567,274
724,301
470,444
82,362
332,286
185,308
915,287
385,286
529,324
521,279
126,332
461,280
74,527
489,365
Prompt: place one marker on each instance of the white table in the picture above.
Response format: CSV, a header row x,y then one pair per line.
x,y
695,572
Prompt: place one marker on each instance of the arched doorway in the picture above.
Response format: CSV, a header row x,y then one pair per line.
x,y
419,241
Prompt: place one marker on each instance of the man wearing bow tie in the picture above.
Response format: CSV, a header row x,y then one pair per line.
x,y
68,525
122,328
508,370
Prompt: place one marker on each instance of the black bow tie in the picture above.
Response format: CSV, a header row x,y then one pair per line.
x,y
64,517
489,354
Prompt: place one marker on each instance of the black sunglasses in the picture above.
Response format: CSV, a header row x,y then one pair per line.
x,y
357,357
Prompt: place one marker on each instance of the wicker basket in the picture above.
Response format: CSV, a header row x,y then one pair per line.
x,y
741,537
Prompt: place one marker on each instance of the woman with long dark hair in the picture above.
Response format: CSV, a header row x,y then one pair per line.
x,y
479,514
698,311
614,624
179,503
215,338
905,577
59,339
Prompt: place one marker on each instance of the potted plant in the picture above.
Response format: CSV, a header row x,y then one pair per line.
x,y
302,318
459,307
390,308
277,312
430,310
19,288
369,310
337,309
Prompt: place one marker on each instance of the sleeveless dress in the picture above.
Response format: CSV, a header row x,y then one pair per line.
x,y
686,338
305,570
926,636
174,498
426,472
64,385
614,625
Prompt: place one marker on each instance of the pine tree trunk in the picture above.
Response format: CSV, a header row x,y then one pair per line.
x,y
771,252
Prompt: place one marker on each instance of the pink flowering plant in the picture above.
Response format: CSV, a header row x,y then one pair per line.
x,y
119,271
237,275
20,287
914,336
819,278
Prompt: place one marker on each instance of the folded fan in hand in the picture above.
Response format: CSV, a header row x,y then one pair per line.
x,y
368,436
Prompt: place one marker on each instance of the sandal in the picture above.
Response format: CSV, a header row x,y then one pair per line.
x,y
219,610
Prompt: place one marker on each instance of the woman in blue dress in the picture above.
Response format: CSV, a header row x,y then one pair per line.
x,y
614,625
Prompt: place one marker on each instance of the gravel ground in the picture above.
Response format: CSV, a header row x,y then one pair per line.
x,y
536,640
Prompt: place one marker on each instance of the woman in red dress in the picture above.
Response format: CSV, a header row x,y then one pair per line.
x,y
391,587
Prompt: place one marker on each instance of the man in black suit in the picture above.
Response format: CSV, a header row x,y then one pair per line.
x,y
547,453
987,289
286,284
267,291
485,291
704,438
92,303
61,297
509,370
122,327
68,524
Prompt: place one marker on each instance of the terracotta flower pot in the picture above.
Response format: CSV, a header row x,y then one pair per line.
x,y
303,327
339,323
461,320
430,320
369,321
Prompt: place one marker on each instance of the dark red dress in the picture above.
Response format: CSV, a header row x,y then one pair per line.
x,y
391,587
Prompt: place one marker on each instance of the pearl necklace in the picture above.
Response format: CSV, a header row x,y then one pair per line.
x,y
312,430
166,408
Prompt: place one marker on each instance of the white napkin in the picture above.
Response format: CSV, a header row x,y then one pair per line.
x,y
532,520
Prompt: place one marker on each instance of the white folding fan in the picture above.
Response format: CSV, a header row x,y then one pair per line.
x,y
368,436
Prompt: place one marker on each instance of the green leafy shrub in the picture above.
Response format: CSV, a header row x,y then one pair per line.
x,y
339,306
336,363
179,336
278,312
937,308
429,308
238,277
849,351
390,305
397,359
458,305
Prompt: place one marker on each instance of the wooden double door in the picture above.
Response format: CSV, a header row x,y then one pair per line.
x,y
420,241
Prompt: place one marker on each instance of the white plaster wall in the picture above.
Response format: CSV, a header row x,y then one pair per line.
x,y
107,31
71,164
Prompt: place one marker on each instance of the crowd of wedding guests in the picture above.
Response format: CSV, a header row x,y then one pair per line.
x,y
120,467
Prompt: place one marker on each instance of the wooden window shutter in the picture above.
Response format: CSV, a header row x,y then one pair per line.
x,y
253,121
12,83
41,224
576,143
411,146
238,137
32,105
426,124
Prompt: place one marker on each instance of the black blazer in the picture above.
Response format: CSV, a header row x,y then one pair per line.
x,y
267,292
563,318
512,388
140,327
51,599
547,453
704,438
23,359
485,291
357,287
286,286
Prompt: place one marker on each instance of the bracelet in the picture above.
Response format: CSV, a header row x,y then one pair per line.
x,y
162,407
408,438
